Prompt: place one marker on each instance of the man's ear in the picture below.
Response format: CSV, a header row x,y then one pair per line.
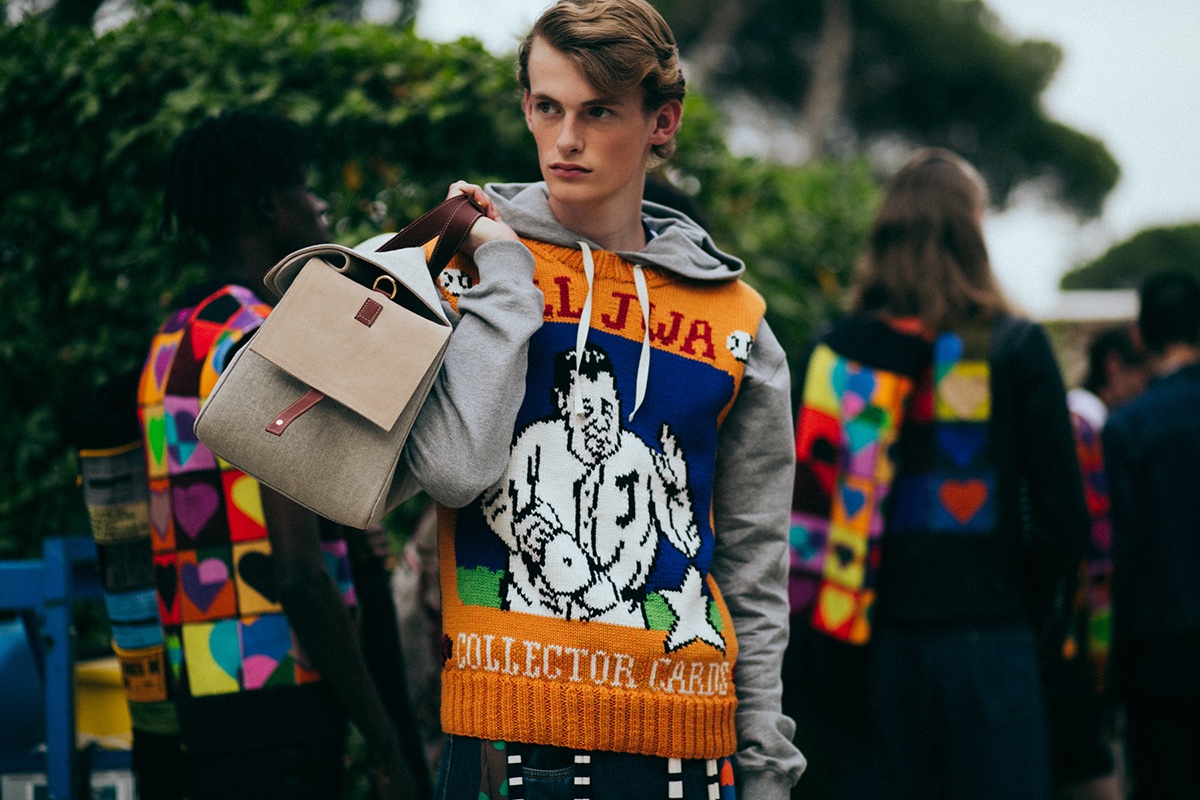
x,y
666,122
527,107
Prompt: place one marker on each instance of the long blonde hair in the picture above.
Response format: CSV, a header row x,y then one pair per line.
x,y
926,256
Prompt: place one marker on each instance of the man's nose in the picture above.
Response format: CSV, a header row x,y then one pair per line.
x,y
569,138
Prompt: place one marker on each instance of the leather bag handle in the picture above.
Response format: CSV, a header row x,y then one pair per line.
x,y
450,221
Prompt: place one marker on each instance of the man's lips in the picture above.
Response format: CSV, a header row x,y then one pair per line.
x,y
568,170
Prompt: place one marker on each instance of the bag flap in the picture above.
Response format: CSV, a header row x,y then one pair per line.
x,y
406,265
319,334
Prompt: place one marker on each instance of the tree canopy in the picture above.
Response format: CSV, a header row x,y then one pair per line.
x,y
866,74
1126,264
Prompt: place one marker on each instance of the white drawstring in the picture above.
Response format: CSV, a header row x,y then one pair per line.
x,y
643,373
585,320
585,324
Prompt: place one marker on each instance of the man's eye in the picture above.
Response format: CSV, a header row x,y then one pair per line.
x,y
545,108
599,112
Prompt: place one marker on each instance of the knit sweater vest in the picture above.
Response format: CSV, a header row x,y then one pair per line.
x,y
578,608
892,437
1092,622
224,630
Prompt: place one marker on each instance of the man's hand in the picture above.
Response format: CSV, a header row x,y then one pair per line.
x,y
486,229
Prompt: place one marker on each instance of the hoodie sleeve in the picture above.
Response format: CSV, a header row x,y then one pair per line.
x,y
751,503
459,442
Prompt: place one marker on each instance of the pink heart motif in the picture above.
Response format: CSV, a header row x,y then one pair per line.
x,y
162,362
194,506
160,514
860,385
204,582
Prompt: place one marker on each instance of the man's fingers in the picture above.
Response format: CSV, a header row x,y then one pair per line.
x,y
476,193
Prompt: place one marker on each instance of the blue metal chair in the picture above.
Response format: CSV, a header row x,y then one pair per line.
x,y
43,592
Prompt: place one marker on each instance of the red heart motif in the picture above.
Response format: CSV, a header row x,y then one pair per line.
x,y
963,499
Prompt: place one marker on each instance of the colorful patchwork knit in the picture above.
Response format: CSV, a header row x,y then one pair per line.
x,y
114,489
577,603
225,630
1094,600
875,448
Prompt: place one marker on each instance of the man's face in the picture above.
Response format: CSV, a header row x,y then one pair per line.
x,y
300,218
592,149
599,427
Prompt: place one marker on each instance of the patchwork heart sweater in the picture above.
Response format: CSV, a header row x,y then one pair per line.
x,y
604,440
936,478
223,630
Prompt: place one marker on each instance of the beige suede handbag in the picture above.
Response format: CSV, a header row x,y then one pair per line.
x,y
318,403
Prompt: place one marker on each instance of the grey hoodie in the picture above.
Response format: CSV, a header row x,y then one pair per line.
x,y
460,444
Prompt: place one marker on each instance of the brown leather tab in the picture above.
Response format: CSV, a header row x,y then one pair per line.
x,y
292,412
369,312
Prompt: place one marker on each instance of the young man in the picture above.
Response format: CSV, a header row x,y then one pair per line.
x,y
1152,460
608,443
1076,697
253,590
1116,374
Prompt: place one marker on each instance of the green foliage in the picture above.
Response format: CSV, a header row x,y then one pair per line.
x,y
86,278
1127,264
798,228
927,72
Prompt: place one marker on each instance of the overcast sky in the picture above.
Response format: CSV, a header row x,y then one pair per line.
x,y
1130,76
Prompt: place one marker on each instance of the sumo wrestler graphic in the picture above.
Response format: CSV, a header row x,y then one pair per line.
x,y
583,504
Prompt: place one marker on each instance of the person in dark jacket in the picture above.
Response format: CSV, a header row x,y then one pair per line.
x,y
1152,452
938,516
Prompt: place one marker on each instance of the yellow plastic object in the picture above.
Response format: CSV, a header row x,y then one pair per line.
x,y
101,710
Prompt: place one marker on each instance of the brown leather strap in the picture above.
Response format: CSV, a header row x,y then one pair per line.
x,y
289,414
450,221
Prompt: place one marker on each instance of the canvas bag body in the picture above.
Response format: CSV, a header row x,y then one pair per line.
x,y
339,457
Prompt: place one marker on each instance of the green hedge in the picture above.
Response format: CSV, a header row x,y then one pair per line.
x,y
85,277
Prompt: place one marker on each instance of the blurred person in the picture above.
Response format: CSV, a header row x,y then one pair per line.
x,y
613,489
1152,460
254,592
1079,707
112,464
1116,373
937,518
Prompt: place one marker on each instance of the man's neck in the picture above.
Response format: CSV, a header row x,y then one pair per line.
x,y
244,261
616,226
1175,357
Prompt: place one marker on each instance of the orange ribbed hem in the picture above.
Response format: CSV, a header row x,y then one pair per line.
x,y
581,717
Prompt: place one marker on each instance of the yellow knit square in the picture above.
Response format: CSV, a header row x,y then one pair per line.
x,y
964,393
819,392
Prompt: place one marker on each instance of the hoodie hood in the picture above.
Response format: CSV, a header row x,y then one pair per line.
x,y
678,245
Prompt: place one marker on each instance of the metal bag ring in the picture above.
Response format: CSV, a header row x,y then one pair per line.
x,y
391,294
